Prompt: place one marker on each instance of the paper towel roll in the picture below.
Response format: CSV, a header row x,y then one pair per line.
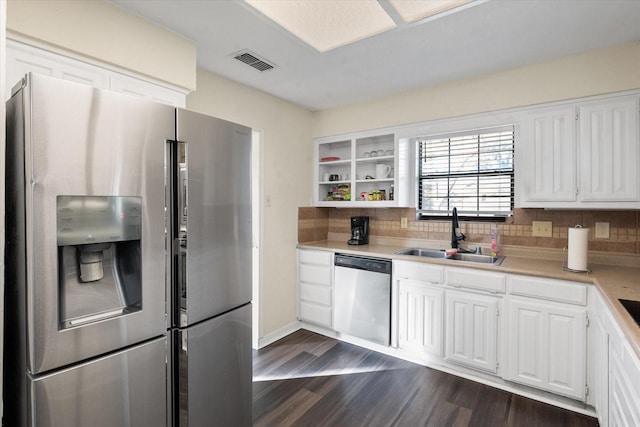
x,y
578,247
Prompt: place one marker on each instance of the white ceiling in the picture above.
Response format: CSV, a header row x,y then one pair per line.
x,y
489,36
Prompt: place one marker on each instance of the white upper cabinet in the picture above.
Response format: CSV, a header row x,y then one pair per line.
x,y
609,151
549,155
580,155
363,170
23,59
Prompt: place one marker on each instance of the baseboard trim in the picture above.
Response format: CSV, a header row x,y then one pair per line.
x,y
280,333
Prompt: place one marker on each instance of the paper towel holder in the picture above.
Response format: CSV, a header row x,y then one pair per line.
x,y
566,268
565,263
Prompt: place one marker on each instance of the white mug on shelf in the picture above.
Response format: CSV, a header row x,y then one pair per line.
x,y
382,171
325,177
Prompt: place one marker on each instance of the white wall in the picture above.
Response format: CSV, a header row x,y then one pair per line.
x,y
596,72
286,179
102,31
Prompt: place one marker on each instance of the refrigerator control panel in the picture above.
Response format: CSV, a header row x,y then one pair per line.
x,y
84,220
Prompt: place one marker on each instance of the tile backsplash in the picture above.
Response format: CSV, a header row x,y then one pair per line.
x,y
315,223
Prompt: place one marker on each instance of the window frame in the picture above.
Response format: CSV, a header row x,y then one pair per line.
x,y
478,216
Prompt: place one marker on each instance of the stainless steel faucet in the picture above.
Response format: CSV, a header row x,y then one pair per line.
x,y
455,238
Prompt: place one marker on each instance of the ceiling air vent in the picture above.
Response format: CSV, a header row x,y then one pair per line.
x,y
253,60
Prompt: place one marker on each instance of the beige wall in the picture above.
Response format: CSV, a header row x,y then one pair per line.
x,y
286,178
595,72
101,31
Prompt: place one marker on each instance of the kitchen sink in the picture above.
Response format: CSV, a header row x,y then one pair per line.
x,y
633,307
429,253
460,256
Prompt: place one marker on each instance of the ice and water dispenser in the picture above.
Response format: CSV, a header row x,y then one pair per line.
x,y
99,258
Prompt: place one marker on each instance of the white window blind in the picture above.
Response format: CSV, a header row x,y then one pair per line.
x,y
472,171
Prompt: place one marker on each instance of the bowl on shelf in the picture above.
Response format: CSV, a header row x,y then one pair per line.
x,y
329,159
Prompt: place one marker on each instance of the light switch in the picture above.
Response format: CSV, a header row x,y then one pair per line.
x,y
404,223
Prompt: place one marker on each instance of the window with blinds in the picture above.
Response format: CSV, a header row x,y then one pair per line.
x,y
471,171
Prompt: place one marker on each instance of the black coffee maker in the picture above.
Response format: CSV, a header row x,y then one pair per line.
x,y
359,230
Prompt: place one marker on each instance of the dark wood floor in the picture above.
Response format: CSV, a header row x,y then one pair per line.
x,y
306,379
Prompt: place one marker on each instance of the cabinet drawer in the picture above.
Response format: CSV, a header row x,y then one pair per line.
x,y
316,257
315,274
418,271
315,294
315,314
550,289
476,279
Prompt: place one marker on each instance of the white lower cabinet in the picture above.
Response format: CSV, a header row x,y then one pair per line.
x,y
420,317
600,370
419,290
623,376
624,391
471,329
315,287
547,346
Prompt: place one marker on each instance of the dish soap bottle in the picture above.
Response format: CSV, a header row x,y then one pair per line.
x,y
495,241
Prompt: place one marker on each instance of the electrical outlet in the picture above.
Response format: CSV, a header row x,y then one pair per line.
x,y
542,229
404,222
602,230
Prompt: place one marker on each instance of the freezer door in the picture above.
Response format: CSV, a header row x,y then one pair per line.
x,y
127,388
92,148
214,188
214,372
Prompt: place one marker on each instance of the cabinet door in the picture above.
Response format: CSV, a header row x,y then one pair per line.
x,y
624,404
547,346
549,156
420,317
608,144
471,330
600,370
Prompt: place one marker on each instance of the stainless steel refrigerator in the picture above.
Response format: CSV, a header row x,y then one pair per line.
x,y
210,164
109,224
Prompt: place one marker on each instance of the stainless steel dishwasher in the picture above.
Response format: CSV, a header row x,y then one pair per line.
x,y
362,304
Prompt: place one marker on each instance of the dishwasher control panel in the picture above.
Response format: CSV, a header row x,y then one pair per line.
x,y
377,265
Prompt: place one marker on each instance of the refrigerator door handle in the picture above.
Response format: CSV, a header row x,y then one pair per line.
x,y
184,198
179,244
182,277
